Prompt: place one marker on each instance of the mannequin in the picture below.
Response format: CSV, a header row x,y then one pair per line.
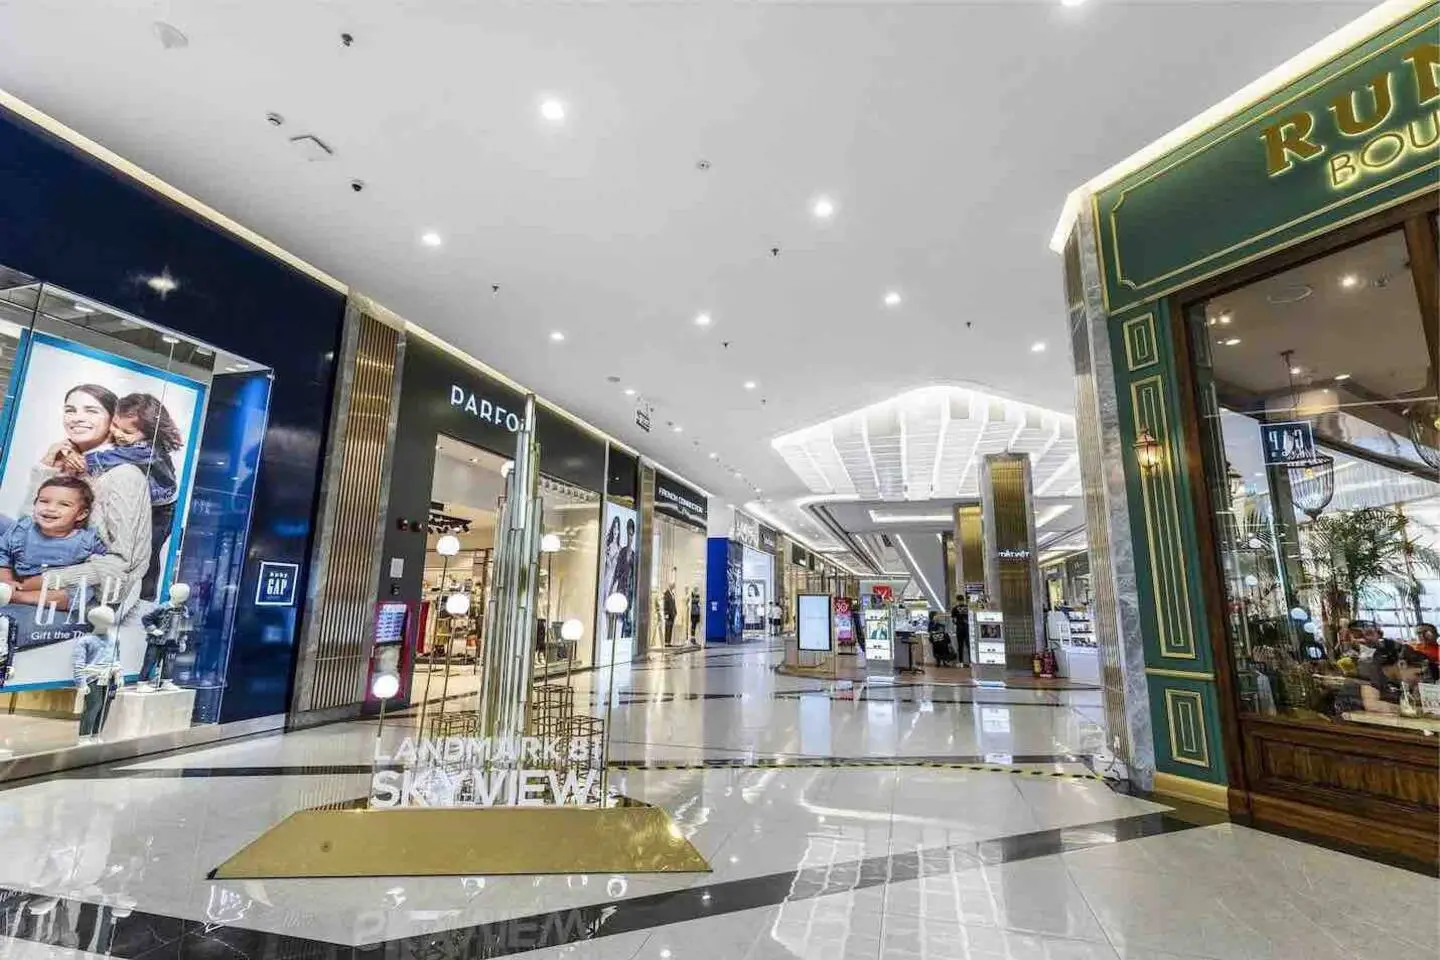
x,y
97,671
167,632
9,634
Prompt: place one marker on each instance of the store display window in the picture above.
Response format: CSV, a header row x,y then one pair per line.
x,y
678,571
1318,389
127,472
466,497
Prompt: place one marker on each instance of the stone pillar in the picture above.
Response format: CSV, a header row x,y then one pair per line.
x,y
1114,585
969,547
1012,575
649,559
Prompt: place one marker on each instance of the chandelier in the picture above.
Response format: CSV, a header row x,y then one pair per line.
x,y
1312,483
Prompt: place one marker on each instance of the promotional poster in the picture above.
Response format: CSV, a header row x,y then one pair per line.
x,y
619,568
96,474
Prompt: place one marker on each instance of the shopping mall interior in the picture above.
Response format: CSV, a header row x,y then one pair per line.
x,y
696,481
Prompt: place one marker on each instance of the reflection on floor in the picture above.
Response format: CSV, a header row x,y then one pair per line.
x,y
903,821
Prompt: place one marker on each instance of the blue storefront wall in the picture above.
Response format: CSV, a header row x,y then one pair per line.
x,y
724,571
71,220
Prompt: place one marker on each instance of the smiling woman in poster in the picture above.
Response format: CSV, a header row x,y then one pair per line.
x,y
122,504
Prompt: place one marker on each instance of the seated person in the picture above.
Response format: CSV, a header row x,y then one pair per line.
x,y
1426,642
53,536
1393,667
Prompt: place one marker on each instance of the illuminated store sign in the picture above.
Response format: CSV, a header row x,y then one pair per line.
x,y
1013,554
680,502
1358,129
484,409
1358,133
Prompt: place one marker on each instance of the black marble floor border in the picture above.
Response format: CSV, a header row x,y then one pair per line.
x,y
137,935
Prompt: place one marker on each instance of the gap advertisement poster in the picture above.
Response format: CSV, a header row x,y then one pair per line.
x,y
620,564
94,478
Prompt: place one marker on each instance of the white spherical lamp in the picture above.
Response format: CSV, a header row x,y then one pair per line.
x,y
616,603
550,543
448,545
571,630
457,604
384,686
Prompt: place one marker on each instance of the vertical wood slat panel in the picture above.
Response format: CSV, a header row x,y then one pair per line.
x,y
347,594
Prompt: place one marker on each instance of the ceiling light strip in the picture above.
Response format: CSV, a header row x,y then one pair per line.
x,y
760,513
1060,471
917,572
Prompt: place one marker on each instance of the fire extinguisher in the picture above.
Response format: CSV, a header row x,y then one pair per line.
x,y
1047,664
1037,663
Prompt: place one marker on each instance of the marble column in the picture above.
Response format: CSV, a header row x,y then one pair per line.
x,y
1115,608
1012,574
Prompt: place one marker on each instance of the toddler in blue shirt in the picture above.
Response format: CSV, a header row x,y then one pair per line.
x,y
54,535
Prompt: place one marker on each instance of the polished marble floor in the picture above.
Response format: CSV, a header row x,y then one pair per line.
x,y
899,821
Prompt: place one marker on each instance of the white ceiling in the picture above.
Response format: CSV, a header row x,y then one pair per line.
x,y
947,134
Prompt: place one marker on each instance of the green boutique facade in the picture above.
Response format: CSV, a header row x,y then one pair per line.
x,y
1253,319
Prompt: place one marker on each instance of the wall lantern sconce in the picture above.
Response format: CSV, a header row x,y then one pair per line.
x,y
1147,450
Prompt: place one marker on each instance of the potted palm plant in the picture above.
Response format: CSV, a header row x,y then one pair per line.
x,y
1351,551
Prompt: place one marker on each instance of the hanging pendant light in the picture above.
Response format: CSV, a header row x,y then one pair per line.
x,y
1312,480
1312,483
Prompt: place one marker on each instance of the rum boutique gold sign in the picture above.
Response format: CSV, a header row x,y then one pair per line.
x,y
1360,132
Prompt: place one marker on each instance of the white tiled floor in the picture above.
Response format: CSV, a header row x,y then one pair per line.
x,y
1217,892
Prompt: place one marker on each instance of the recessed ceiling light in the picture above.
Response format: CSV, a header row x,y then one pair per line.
x,y
1225,319
1349,280
629,391
750,384
892,298
824,208
557,336
552,109
1071,3
1038,346
702,320
1342,376
677,428
714,456
431,239
1233,341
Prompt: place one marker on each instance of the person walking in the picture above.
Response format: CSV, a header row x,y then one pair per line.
x,y
960,613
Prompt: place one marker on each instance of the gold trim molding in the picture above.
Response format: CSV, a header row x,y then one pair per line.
x,y
1215,795
1185,715
1180,674
1141,351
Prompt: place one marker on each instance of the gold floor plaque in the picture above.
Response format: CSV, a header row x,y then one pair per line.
x,y
467,841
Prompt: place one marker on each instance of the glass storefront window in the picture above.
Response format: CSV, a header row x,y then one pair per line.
x,y
1318,394
126,478
679,569
568,584
466,493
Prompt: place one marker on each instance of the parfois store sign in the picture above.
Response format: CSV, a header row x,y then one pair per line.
x,y
1357,133
483,408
